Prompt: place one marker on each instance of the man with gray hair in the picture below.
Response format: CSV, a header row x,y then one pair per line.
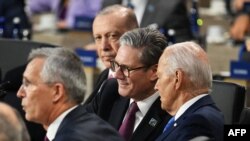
x,y
129,102
12,127
108,27
184,82
53,87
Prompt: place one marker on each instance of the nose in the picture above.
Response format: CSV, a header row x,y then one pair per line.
x,y
156,85
105,44
118,74
20,92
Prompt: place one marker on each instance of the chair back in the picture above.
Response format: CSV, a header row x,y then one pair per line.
x,y
230,99
245,116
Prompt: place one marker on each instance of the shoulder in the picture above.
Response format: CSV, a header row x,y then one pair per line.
x,y
86,126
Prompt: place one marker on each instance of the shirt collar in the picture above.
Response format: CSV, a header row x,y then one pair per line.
x,y
187,104
53,127
145,104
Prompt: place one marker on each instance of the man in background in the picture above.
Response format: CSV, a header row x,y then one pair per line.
x,y
109,25
184,82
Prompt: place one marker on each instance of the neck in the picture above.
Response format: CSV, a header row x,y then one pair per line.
x,y
57,111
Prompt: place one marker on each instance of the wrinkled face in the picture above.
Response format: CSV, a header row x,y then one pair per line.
x,y
35,94
107,29
140,82
166,86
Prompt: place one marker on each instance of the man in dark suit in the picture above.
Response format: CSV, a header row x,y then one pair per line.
x,y
166,14
184,82
108,27
52,89
134,67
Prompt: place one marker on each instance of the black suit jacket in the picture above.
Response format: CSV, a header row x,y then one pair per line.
x,y
80,125
101,78
166,14
112,107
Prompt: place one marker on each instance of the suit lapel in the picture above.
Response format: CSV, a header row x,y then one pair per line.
x,y
152,120
201,102
118,111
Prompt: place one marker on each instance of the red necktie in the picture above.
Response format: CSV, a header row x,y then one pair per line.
x,y
127,127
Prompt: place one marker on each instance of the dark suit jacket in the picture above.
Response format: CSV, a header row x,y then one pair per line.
x,y
80,125
112,107
101,78
203,118
166,14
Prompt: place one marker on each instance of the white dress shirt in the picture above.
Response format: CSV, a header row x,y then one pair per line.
x,y
186,105
53,127
143,106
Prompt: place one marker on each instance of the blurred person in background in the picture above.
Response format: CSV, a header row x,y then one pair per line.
x,y
13,15
241,24
65,11
164,14
12,127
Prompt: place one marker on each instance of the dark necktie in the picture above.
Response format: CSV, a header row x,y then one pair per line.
x,y
46,138
127,127
169,124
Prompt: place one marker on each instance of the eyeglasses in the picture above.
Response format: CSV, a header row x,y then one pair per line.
x,y
124,69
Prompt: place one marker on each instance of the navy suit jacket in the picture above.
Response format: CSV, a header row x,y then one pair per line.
x,y
112,107
203,118
80,125
166,14
101,78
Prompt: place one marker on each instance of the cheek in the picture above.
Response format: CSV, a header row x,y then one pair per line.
x,y
115,46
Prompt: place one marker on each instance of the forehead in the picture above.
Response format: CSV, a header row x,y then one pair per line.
x,y
34,67
111,22
128,55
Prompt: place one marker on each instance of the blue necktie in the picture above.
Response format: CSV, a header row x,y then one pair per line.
x,y
169,124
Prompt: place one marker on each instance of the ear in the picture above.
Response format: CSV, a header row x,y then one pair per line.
x,y
59,92
153,71
178,79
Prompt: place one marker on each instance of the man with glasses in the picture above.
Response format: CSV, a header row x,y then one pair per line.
x,y
130,103
108,27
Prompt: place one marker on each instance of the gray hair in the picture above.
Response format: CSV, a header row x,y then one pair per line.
x,y
64,66
192,59
150,41
9,130
129,14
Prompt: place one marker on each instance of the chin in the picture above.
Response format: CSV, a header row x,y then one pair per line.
x,y
123,92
